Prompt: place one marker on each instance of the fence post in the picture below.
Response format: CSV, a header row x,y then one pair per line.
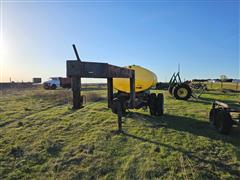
x,y
237,86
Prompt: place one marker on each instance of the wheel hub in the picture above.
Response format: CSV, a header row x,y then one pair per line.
x,y
182,92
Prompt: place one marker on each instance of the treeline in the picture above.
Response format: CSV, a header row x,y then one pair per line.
x,y
213,80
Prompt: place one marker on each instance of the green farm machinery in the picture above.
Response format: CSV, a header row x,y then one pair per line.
x,y
185,90
223,117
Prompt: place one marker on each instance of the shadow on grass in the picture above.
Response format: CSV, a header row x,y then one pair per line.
x,y
193,126
209,101
216,163
190,125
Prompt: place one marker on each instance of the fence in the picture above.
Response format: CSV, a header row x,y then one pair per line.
x,y
224,85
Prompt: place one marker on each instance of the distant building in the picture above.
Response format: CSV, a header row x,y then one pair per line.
x,y
212,80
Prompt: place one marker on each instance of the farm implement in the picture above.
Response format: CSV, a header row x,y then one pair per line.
x,y
132,84
184,90
221,116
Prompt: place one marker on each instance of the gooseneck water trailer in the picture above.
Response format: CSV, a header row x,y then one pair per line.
x,y
132,85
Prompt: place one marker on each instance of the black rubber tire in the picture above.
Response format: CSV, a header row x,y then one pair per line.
x,y
170,88
152,104
212,116
114,107
46,87
160,104
180,86
54,86
223,122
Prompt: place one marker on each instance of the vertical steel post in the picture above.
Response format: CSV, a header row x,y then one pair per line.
x,y
76,89
119,112
132,90
76,86
110,91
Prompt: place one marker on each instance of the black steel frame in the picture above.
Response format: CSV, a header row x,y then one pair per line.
x,y
77,69
174,78
218,104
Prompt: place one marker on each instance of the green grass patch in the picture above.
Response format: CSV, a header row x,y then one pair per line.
x,y
41,137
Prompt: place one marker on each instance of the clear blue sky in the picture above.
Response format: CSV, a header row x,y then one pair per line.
x,y
203,36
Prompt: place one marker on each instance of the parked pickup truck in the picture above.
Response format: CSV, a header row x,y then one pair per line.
x,y
56,82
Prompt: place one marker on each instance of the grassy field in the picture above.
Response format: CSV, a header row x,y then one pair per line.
x,y
224,85
42,138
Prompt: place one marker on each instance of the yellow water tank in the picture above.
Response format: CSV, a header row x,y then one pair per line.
x,y
144,79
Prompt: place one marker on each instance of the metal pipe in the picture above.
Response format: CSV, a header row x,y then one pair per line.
x,y
76,53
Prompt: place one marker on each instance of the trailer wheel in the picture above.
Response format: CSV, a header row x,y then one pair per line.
x,y
46,87
54,86
223,122
170,88
212,116
152,104
160,104
182,91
